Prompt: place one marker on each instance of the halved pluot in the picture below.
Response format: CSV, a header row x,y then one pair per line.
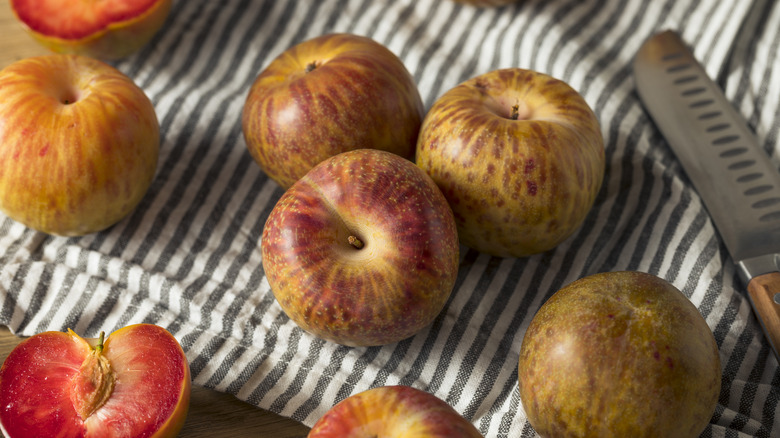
x,y
136,383
105,29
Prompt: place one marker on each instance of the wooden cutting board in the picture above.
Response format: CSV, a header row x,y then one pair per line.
x,y
212,414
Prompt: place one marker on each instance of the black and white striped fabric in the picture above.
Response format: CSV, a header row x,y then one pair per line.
x,y
188,258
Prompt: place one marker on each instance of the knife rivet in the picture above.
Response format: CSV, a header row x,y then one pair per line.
x,y
776,298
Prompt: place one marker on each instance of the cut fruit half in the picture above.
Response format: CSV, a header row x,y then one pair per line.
x,y
137,383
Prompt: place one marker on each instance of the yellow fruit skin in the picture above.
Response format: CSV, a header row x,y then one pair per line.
x,y
79,143
517,186
619,354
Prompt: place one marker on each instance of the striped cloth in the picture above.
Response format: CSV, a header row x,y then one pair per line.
x,y
188,258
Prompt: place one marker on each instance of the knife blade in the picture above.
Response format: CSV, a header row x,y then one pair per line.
x,y
734,177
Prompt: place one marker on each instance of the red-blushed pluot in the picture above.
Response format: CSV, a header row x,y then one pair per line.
x,y
137,383
330,94
619,354
105,29
519,156
79,143
393,411
362,250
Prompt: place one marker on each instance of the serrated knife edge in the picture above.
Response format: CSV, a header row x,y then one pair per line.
x,y
735,178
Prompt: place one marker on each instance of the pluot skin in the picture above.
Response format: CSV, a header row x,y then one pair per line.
x,y
79,143
106,29
327,95
137,383
519,156
386,285
619,354
393,411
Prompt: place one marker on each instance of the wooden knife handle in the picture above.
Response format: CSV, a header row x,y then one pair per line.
x,y
764,291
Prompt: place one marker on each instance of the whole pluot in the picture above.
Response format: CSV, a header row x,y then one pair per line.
x,y
362,250
79,143
327,95
519,156
619,354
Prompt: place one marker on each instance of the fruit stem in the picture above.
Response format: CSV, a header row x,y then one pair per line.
x,y
99,346
354,241
311,66
515,112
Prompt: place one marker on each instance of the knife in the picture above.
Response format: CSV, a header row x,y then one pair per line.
x,y
721,156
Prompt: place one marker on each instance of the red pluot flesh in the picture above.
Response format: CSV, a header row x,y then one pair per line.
x,y
105,29
135,384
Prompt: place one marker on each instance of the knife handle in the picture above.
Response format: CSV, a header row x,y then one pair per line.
x,y
764,291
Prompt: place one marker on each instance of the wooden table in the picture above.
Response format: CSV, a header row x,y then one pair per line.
x,y
212,414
